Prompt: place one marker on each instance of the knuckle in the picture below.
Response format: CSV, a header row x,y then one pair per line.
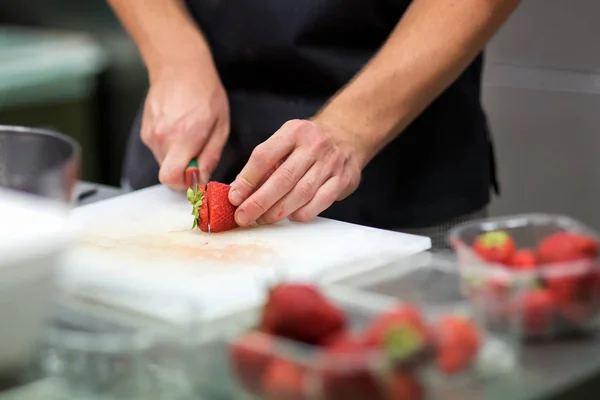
x,y
305,191
259,155
258,204
284,177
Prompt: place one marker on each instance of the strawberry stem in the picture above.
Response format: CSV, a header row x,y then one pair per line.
x,y
196,197
401,341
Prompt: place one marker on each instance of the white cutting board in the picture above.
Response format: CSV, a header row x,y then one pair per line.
x,y
143,241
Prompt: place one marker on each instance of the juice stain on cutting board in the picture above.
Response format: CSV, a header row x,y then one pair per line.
x,y
179,245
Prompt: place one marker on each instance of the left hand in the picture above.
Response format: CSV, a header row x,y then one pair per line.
x,y
319,165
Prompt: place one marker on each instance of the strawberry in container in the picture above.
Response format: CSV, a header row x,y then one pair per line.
x,y
309,345
540,270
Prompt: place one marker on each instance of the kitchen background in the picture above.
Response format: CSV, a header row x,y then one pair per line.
x,y
542,94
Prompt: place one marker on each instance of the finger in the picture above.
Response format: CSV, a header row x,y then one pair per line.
x,y
323,199
172,170
278,185
300,195
211,153
262,160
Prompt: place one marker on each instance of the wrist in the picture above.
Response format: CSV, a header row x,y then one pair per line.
x,y
178,54
362,142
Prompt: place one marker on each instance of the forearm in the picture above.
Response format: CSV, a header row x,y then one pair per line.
x,y
163,31
427,51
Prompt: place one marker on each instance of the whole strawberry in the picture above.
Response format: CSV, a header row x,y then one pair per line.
x,y
405,315
301,312
537,309
496,247
567,246
250,354
283,380
457,343
346,370
211,208
405,386
523,260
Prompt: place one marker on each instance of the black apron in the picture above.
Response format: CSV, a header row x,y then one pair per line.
x,y
281,60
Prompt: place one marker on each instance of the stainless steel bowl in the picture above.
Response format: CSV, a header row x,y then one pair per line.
x,y
39,161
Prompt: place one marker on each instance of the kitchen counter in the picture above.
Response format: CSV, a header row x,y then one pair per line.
x,y
565,370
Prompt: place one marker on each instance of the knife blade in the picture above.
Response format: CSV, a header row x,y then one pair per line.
x,y
192,179
192,174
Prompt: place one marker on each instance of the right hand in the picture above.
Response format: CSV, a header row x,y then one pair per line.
x,y
186,116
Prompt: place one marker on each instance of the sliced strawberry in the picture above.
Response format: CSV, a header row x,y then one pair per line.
x,y
221,211
199,202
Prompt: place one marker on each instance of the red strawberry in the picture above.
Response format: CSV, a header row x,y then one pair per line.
x,y
221,211
346,373
199,202
537,310
301,312
523,259
585,300
283,380
250,356
404,386
567,246
495,246
404,315
211,208
457,343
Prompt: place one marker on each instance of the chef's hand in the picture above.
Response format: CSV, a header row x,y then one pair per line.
x,y
186,116
320,166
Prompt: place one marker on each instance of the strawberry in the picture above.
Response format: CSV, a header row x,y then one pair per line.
x,y
404,315
250,356
497,246
536,307
404,386
566,246
221,211
211,208
346,372
523,259
585,301
283,380
200,207
301,312
457,343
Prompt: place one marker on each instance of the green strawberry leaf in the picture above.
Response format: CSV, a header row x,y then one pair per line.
x,y
402,341
190,195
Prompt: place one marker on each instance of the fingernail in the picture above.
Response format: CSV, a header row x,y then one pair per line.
x,y
241,218
235,197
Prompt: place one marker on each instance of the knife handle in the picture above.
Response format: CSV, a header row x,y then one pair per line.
x,y
192,174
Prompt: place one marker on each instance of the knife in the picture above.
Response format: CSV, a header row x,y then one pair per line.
x,y
192,177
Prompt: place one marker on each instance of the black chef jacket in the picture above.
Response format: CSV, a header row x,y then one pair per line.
x,y
282,59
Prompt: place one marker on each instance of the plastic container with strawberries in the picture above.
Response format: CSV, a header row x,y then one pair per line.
x,y
464,350
537,272
331,343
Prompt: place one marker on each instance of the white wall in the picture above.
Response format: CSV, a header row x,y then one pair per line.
x,y
542,95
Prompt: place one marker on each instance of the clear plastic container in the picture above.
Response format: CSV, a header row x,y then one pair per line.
x,y
544,299
432,283
234,362
318,372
